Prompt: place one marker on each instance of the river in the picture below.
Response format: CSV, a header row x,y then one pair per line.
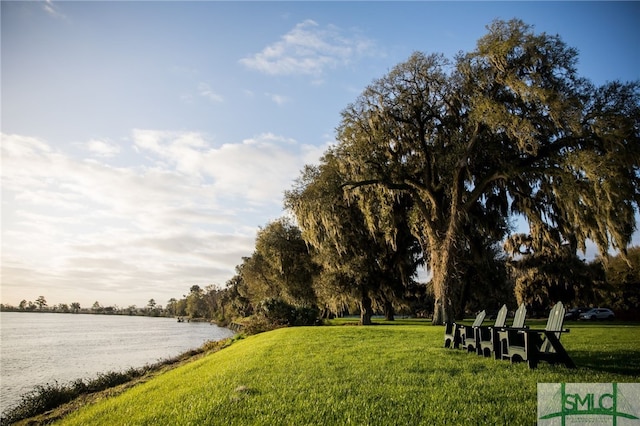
x,y
45,348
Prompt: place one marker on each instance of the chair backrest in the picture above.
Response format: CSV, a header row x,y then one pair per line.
x,y
501,318
556,318
554,323
518,319
479,319
449,328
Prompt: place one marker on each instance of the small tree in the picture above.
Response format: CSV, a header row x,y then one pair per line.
x,y
171,306
281,266
623,278
196,307
545,276
97,307
237,297
41,302
151,304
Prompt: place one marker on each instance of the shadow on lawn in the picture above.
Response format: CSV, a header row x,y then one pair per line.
x,y
620,362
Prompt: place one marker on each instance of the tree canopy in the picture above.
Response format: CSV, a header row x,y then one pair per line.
x,y
507,129
358,262
280,267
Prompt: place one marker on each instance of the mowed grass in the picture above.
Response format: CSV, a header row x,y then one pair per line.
x,y
377,375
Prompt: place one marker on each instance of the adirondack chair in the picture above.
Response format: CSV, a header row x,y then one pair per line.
x,y
486,337
451,335
503,333
468,332
534,346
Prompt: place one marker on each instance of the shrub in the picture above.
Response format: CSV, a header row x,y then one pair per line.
x,y
306,316
41,399
276,311
273,313
258,324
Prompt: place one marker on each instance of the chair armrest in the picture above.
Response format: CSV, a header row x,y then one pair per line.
x,y
483,327
511,328
541,331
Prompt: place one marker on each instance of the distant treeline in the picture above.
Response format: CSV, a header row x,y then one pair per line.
x,y
40,305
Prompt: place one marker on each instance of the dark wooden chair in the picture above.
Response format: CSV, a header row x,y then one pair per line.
x,y
451,335
502,334
534,346
468,332
486,337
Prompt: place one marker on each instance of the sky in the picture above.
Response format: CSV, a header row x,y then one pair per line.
x,y
145,143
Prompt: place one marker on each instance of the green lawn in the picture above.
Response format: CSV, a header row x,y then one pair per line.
x,y
378,375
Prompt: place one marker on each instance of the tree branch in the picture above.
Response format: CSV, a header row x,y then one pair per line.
x,y
480,189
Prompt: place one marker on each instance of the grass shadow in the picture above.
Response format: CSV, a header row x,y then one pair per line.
x,y
625,362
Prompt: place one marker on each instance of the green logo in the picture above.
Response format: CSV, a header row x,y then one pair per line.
x,y
588,403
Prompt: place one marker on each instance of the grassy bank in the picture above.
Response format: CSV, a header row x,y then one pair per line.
x,y
379,375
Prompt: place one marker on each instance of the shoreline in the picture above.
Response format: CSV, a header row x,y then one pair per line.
x,y
111,314
48,412
59,349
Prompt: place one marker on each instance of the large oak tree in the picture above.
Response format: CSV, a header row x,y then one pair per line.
x,y
509,128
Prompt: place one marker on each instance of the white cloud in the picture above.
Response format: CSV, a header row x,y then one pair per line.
x,y
278,99
18,145
82,230
310,49
257,169
205,91
187,98
52,9
102,148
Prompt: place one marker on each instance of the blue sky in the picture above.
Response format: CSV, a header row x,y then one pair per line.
x,y
144,143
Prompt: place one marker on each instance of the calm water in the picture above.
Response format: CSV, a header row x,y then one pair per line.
x,y
37,349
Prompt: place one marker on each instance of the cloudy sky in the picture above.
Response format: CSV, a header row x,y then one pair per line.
x,y
144,143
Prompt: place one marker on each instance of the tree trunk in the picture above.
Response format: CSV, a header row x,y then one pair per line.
x,y
443,267
443,310
366,311
389,312
465,291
